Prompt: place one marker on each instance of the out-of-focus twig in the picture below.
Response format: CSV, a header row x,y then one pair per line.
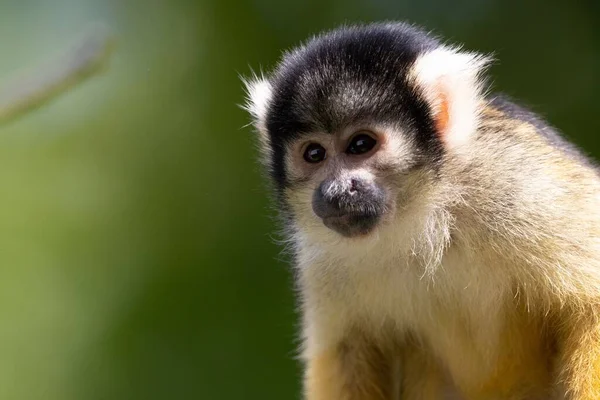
x,y
86,58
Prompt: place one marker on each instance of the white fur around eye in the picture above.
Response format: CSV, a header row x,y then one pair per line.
x,y
454,76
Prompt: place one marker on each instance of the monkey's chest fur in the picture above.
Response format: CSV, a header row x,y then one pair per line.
x,y
459,328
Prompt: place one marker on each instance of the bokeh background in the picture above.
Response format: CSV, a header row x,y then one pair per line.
x,y
137,258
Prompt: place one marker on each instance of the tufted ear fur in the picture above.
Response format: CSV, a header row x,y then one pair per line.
x,y
258,96
451,82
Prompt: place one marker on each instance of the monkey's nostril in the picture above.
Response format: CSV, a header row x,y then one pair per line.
x,y
353,186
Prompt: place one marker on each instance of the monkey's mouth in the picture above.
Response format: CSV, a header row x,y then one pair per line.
x,y
352,224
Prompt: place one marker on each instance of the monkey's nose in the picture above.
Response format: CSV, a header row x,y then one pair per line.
x,y
334,198
350,207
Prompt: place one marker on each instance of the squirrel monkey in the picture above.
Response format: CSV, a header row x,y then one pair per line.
x,y
446,241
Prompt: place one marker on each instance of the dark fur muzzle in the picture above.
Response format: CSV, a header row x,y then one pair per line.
x,y
351,207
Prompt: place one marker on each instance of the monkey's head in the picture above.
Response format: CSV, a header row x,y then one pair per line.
x,y
356,123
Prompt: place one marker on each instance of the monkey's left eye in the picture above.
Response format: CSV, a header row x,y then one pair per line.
x,y
361,143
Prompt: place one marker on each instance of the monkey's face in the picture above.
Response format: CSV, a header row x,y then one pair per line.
x,y
349,200
348,182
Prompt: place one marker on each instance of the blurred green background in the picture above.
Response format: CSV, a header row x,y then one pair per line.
x,y
136,244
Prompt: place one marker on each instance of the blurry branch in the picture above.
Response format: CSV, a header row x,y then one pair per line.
x,y
86,58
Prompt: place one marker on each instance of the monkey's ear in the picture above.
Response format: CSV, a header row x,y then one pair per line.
x,y
452,84
258,96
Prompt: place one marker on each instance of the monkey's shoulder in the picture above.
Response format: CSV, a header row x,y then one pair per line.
x,y
505,109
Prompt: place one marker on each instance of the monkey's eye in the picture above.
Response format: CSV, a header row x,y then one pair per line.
x,y
360,144
314,153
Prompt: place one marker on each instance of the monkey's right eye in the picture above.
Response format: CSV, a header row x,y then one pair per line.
x,y
314,153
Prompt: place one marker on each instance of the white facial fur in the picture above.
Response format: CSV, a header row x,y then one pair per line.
x,y
396,153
